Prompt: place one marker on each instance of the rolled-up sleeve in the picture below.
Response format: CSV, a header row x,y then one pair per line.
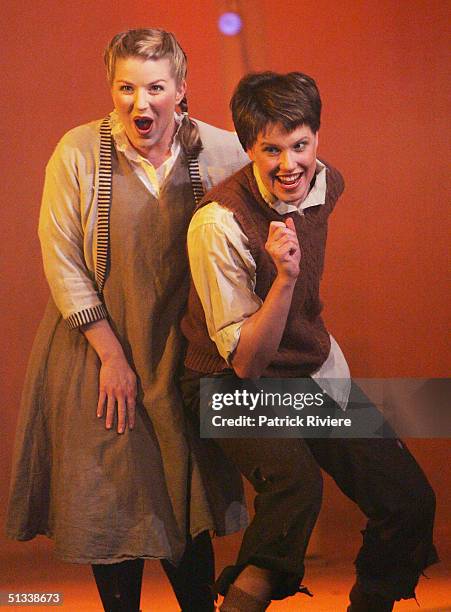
x,y
223,273
72,285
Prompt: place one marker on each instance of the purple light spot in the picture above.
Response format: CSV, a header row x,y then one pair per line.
x,y
230,24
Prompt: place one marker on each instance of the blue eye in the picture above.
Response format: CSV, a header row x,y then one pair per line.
x,y
271,150
126,88
156,88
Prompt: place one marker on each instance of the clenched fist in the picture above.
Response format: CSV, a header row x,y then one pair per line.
x,y
283,246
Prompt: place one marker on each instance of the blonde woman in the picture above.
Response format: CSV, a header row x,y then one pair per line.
x,y
105,464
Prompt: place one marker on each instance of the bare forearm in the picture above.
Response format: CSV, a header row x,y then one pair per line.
x,y
262,332
103,340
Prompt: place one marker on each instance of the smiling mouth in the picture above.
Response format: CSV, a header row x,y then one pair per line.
x,y
143,124
289,181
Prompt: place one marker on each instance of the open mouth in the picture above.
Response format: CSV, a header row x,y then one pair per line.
x,y
290,181
143,124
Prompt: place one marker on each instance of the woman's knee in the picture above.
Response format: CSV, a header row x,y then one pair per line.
x,y
418,510
301,481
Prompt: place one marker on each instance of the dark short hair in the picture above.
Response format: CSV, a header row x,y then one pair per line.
x,y
265,98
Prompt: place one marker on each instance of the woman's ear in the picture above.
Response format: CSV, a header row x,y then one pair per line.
x,y
181,91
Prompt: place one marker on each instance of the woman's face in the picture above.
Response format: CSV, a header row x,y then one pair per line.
x,y
145,95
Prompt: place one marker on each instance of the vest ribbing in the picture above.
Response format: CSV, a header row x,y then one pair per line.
x,y
305,343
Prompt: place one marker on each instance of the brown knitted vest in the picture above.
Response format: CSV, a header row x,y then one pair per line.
x,y
305,343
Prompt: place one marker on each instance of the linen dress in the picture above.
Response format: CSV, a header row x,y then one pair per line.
x,y
105,497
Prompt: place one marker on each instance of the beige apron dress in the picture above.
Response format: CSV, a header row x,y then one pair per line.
x,y
105,497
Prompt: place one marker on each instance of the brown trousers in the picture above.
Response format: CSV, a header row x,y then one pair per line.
x,y
380,475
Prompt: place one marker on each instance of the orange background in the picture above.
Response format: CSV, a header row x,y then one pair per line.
x,y
382,70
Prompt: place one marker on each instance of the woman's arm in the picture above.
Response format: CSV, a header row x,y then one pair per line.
x,y
117,381
72,285
64,225
262,332
223,271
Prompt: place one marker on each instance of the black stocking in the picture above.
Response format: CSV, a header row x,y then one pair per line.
x,y
193,578
119,585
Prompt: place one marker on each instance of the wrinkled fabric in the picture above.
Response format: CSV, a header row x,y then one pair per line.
x,y
379,475
105,497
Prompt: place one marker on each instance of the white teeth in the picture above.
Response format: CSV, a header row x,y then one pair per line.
x,y
289,179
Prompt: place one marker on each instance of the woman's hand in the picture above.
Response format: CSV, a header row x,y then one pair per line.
x,y
283,246
117,390
117,381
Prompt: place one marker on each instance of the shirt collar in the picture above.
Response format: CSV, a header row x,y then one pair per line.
x,y
316,196
123,144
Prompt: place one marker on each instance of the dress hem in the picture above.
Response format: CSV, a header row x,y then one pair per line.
x,y
118,558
